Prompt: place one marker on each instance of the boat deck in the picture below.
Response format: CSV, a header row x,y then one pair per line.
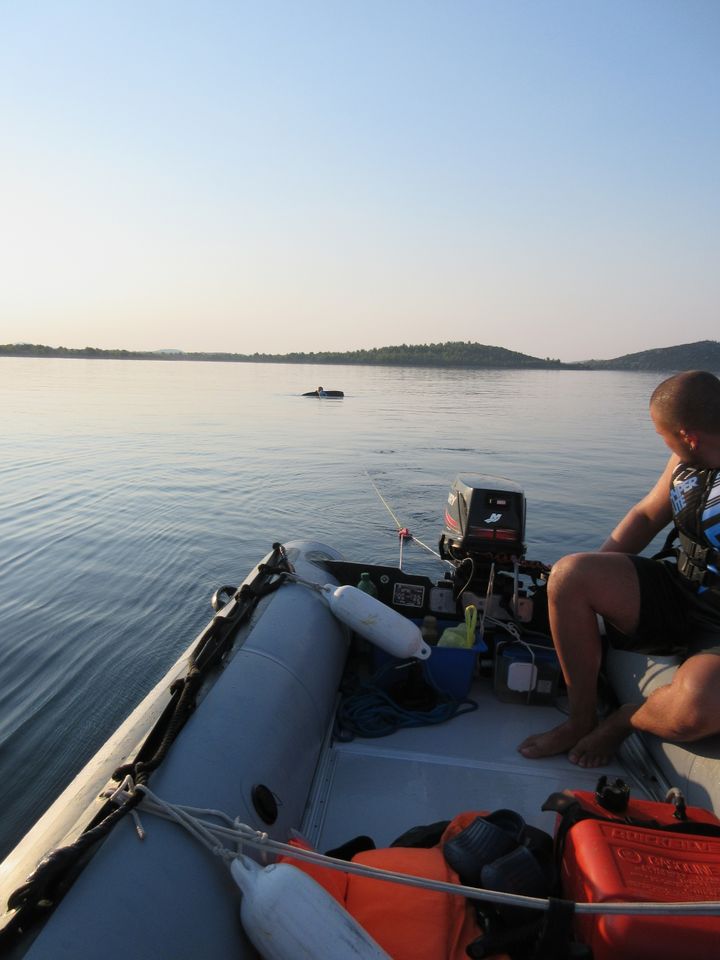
x,y
382,787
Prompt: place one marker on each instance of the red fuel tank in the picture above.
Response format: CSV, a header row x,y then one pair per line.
x,y
607,861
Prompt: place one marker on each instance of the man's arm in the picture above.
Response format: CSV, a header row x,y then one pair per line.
x,y
646,519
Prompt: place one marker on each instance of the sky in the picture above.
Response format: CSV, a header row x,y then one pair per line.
x,y
540,175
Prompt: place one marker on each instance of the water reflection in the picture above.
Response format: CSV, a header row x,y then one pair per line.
x,y
132,489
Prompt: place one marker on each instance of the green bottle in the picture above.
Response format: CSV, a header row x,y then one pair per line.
x,y
366,585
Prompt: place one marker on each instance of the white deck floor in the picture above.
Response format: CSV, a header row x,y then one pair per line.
x,y
382,787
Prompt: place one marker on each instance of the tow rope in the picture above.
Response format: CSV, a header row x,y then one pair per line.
x,y
403,531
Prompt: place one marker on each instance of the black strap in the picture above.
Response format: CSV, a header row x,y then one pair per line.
x,y
511,940
696,551
550,937
556,931
668,548
693,560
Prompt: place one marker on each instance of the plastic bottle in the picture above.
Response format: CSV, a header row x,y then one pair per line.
x,y
366,585
287,915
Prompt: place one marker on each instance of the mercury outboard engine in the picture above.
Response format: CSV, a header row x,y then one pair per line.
x,y
484,521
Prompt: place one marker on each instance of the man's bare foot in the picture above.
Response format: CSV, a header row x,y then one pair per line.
x,y
558,740
597,748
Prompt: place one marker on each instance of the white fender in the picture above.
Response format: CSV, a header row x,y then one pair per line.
x,y
288,916
386,628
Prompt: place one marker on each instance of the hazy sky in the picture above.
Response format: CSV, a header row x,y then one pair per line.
x,y
277,176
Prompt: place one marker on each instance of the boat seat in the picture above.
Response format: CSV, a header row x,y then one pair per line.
x,y
692,767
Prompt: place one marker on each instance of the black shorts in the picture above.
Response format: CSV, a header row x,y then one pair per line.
x,y
673,618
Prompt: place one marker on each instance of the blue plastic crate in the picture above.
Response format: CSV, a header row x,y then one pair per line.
x,y
448,669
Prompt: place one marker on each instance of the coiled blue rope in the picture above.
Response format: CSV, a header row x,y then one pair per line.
x,y
370,711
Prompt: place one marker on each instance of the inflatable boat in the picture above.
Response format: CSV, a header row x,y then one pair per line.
x,y
330,771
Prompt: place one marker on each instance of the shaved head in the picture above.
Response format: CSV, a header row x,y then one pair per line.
x,y
688,401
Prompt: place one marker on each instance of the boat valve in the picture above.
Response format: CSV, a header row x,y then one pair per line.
x,y
675,796
612,795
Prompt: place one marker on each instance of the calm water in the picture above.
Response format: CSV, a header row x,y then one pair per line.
x,y
131,490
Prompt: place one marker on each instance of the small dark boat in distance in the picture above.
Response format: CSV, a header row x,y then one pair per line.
x,y
323,394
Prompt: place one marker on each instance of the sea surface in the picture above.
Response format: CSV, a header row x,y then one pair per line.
x,y
130,490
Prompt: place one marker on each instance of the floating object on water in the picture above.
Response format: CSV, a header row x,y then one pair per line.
x,y
325,394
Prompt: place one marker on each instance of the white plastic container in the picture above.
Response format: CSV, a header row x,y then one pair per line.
x,y
288,916
376,622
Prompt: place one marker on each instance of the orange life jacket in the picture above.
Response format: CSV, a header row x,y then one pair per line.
x,y
409,923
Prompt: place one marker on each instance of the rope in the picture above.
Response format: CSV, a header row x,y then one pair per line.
x,y
402,530
384,501
318,587
430,550
214,837
370,712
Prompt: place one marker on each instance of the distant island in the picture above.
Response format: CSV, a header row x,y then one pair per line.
x,y
704,354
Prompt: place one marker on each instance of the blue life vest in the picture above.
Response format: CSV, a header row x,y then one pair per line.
x,y
695,500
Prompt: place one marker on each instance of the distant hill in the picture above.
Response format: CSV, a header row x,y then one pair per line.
x,y
451,354
705,354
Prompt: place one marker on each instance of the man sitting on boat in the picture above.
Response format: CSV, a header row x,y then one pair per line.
x,y
648,605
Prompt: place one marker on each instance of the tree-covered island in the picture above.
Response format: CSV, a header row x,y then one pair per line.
x,y
704,354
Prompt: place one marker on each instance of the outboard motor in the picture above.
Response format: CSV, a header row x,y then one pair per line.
x,y
484,538
484,521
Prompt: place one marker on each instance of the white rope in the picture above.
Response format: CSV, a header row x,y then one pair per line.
x,y
400,526
384,501
433,552
506,625
319,587
213,836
